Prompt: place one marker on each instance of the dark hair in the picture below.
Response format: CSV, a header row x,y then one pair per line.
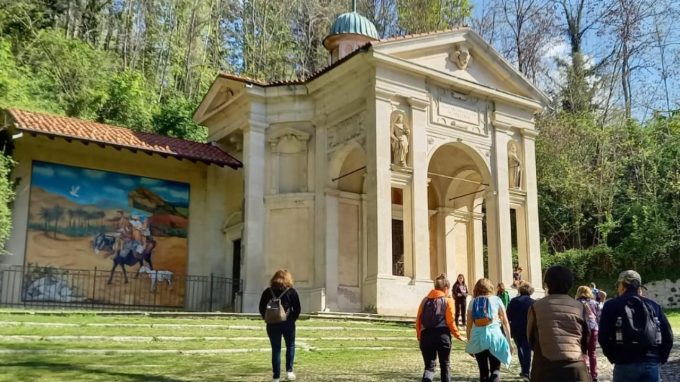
x,y
441,282
558,279
459,276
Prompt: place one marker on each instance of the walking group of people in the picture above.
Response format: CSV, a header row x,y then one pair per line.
x,y
561,332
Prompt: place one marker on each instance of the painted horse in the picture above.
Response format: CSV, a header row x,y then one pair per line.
x,y
129,255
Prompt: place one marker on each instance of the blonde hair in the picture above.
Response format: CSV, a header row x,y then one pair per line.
x,y
483,287
281,279
525,288
441,282
584,292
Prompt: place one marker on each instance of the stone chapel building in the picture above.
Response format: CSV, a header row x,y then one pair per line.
x,y
403,159
399,161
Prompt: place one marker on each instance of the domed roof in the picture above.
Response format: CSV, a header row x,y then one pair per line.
x,y
354,23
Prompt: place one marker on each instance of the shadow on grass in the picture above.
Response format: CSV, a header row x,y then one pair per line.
x,y
68,367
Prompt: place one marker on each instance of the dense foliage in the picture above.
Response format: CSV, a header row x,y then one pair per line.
x,y
607,155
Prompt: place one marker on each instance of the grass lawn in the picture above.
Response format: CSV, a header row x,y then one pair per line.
x,y
86,347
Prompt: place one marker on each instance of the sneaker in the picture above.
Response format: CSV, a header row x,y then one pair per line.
x,y
275,380
525,377
290,376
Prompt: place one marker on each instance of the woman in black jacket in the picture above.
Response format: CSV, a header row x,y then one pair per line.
x,y
281,288
460,293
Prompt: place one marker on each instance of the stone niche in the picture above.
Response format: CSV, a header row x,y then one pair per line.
x,y
289,152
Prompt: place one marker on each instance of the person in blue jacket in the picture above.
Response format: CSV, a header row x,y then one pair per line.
x,y
518,309
633,362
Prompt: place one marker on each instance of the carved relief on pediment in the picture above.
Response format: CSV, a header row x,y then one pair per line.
x,y
349,129
459,111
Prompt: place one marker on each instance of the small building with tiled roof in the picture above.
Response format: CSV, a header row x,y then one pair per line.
x,y
90,196
401,160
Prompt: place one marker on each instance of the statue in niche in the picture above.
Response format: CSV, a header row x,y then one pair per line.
x,y
461,57
400,135
514,168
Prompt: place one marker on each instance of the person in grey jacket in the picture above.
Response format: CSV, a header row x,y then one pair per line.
x,y
558,332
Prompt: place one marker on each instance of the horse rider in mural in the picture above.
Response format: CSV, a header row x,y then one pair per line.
x,y
134,229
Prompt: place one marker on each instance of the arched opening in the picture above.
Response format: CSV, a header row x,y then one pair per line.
x,y
349,212
458,180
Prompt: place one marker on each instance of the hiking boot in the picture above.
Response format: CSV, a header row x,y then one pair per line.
x,y
290,376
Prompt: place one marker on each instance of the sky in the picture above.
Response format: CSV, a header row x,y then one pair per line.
x,y
647,85
102,188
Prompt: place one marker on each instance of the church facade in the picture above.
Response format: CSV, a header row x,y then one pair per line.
x,y
405,158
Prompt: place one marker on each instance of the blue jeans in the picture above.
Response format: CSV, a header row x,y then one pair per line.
x,y
523,353
275,331
637,372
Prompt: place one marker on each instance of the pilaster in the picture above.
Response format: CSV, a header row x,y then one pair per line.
x,y
499,232
254,141
419,210
532,228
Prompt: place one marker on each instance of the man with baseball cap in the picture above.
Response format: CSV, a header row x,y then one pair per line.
x,y
634,332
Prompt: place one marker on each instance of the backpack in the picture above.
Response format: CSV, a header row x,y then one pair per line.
x,y
481,312
597,295
591,317
433,314
275,312
639,326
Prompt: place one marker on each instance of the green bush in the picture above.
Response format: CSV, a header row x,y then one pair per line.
x,y
586,264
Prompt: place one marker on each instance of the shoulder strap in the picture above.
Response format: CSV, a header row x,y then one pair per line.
x,y
284,292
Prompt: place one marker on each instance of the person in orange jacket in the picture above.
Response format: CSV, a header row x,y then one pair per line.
x,y
434,326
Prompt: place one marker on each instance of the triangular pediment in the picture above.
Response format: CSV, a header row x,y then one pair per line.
x,y
463,54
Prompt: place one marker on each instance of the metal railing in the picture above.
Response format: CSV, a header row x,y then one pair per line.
x,y
50,287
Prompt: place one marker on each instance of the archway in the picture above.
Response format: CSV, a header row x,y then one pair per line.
x,y
346,231
458,180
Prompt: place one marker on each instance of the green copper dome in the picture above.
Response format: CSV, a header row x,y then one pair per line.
x,y
354,23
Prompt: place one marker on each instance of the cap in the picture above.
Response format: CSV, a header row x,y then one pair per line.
x,y
629,277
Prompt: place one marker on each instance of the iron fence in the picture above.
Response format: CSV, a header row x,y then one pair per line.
x,y
51,287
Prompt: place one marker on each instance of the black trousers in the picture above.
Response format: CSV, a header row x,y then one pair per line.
x,y
436,343
460,309
487,364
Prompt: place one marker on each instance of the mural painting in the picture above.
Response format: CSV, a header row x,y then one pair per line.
x,y
103,237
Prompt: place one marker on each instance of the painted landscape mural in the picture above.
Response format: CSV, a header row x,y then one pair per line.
x,y
129,231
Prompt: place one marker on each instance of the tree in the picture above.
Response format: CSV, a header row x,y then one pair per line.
x,y
419,16
580,17
174,119
57,212
128,102
532,26
6,197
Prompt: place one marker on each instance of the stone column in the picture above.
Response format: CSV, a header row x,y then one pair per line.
x,y
378,187
449,231
254,210
499,232
331,260
533,273
476,264
419,211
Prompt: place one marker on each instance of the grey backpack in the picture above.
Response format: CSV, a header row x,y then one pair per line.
x,y
275,312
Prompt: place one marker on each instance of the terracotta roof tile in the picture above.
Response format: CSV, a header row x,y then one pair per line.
x,y
88,131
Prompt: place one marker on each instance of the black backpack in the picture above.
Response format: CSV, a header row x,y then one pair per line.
x,y
434,312
639,325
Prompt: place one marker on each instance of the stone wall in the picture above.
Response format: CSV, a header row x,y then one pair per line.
x,y
665,292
